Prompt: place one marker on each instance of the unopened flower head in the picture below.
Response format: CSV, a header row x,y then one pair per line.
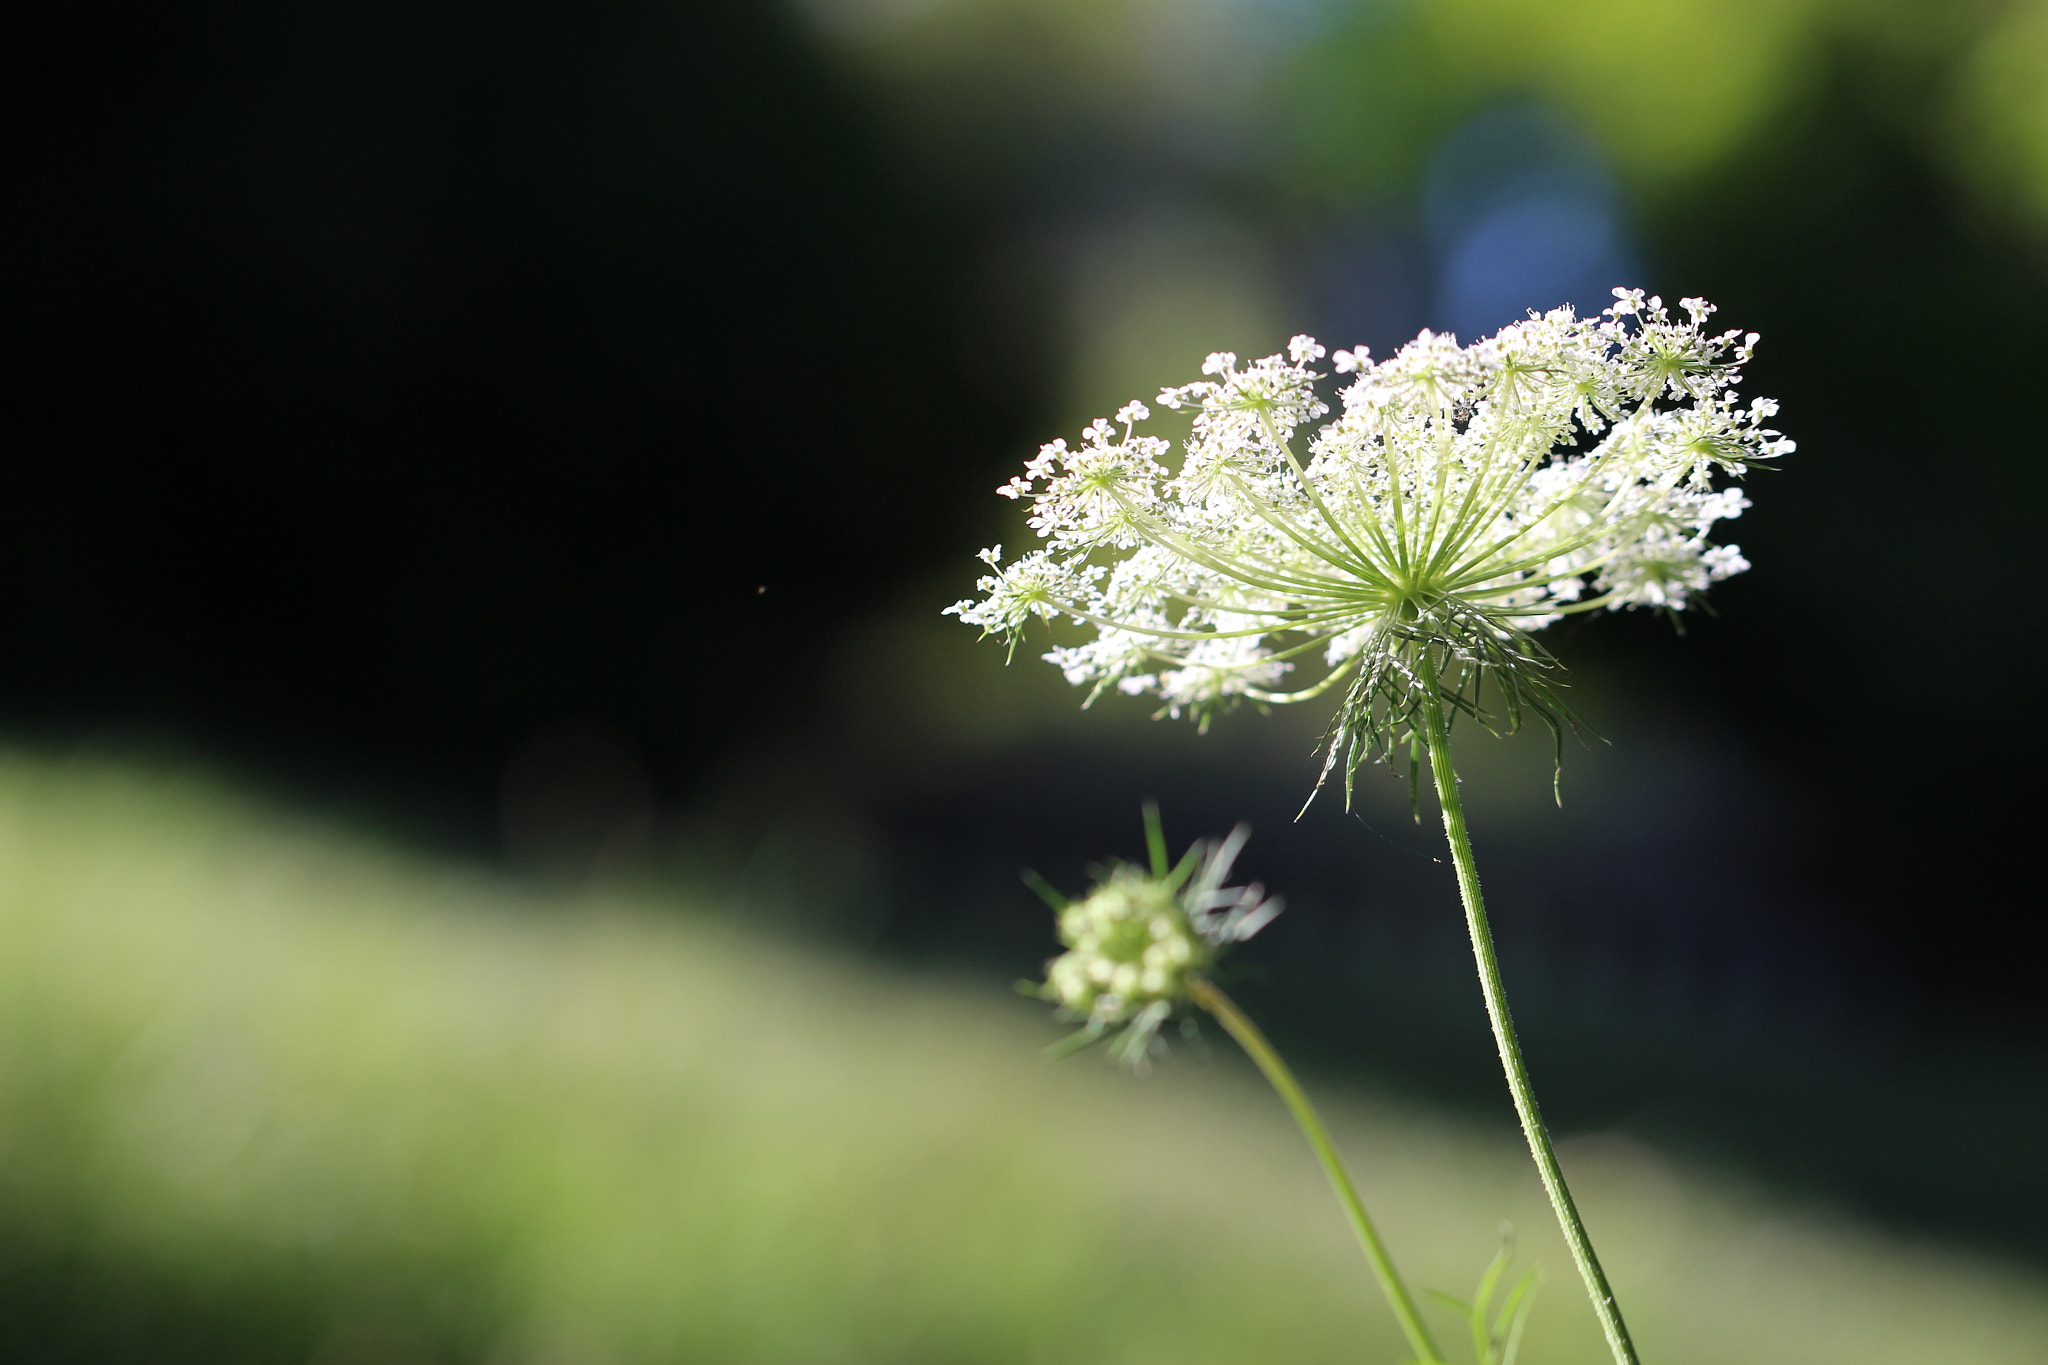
x,y
1461,499
1135,941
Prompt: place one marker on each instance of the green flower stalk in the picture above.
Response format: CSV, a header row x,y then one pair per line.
x,y
1139,947
1403,556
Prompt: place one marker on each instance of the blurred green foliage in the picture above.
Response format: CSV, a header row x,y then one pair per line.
x,y
1353,94
1165,171
270,1094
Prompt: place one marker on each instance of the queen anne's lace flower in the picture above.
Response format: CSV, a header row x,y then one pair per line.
x,y
1463,498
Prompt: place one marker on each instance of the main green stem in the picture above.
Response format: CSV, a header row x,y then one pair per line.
x,y
1248,1037
1504,1024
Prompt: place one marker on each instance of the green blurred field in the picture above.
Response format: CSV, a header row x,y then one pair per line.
x,y
270,1094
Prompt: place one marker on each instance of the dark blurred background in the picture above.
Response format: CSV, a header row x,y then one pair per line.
x,y
550,432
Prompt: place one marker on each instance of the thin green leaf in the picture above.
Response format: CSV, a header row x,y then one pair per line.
x,y
1155,839
1045,890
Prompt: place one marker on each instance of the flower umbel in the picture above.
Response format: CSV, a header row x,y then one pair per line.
x,y
1136,941
1463,498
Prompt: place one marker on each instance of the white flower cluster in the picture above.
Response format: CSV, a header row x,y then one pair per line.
x,y
1462,498
1133,942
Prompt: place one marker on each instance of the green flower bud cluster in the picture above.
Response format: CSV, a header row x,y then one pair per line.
x,y
1137,940
1130,947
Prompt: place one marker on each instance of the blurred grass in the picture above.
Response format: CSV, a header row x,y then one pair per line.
x,y
270,1093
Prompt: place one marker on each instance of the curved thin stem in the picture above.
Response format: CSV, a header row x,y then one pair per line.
x,y
1503,1023
1248,1037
